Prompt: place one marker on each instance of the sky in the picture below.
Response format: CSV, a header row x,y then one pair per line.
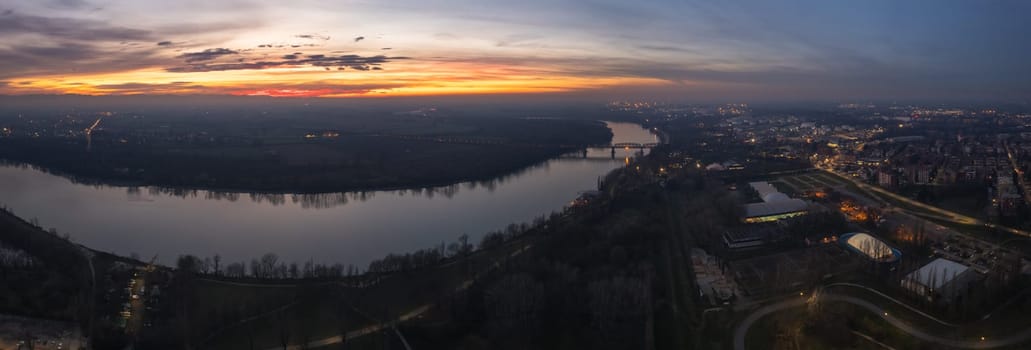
x,y
671,49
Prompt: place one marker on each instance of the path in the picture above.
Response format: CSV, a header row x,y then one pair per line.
x,y
742,329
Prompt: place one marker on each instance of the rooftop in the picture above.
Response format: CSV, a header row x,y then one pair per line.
x,y
937,273
869,245
773,203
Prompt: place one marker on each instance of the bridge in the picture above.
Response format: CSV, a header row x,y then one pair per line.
x,y
612,147
634,145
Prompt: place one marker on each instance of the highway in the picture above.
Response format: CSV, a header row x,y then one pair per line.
x,y
939,212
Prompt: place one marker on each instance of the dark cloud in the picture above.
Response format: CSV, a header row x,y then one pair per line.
x,y
313,37
280,46
360,38
357,62
386,48
71,57
206,55
74,4
673,49
290,57
69,29
165,43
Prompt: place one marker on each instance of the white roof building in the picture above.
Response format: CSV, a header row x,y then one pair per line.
x,y
872,247
935,278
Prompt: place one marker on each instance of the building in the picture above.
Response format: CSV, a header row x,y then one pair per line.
x,y
752,236
1006,196
941,278
869,247
887,178
923,176
775,205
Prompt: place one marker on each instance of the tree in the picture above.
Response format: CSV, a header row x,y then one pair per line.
x,y
268,263
513,305
189,264
256,269
186,267
294,270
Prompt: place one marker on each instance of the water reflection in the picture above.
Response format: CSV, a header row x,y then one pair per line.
x,y
349,227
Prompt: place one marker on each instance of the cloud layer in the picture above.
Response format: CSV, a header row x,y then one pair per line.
x,y
806,49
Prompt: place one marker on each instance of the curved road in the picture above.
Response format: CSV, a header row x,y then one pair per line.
x,y
742,329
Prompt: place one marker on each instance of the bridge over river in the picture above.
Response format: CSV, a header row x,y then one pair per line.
x,y
582,151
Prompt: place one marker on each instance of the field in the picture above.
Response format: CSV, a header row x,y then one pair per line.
x,y
790,271
810,181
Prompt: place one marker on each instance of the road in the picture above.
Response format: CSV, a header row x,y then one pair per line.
x,y
135,322
1020,174
942,213
742,329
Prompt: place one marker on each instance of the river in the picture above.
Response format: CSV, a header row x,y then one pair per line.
x,y
348,228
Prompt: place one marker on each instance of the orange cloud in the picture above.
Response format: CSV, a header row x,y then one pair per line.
x,y
407,78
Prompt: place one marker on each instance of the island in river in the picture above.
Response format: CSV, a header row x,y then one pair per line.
x,y
279,147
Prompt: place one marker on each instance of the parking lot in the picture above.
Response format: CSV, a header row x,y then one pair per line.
x,y
982,256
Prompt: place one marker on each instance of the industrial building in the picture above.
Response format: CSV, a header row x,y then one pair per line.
x,y
752,236
775,205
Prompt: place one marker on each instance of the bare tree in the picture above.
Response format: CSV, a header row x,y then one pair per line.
x,y
268,263
294,270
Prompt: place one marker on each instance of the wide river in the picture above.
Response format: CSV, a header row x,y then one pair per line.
x,y
349,228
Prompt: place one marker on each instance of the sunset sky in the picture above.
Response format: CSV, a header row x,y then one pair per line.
x,y
675,48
